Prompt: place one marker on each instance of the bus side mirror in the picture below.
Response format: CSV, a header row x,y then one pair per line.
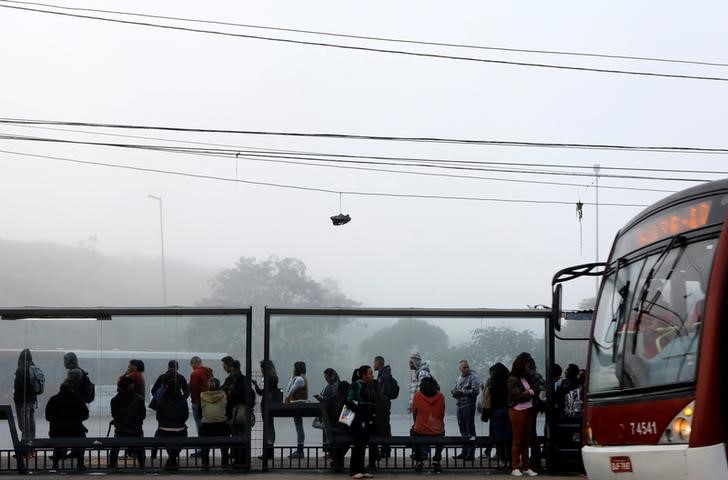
x,y
556,308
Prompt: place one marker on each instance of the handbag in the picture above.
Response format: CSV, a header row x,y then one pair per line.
x,y
240,416
347,416
317,423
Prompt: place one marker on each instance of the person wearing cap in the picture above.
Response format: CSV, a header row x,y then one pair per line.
x,y
419,369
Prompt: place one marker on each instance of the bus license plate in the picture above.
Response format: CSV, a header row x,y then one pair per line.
x,y
621,464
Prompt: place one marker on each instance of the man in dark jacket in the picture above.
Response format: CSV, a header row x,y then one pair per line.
x,y
128,413
387,390
25,396
65,413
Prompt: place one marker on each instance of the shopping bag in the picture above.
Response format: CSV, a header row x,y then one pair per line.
x,y
347,416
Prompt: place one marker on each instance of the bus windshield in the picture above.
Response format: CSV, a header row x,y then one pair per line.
x,y
648,319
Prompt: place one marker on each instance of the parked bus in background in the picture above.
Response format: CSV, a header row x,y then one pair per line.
x,y
657,390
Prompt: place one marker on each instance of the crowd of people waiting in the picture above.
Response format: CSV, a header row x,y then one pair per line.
x,y
509,400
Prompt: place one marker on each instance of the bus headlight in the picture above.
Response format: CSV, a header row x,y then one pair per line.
x,y
678,431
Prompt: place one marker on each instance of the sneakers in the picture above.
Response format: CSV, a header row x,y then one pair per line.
x,y
368,475
418,465
297,454
516,473
436,467
530,473
357,476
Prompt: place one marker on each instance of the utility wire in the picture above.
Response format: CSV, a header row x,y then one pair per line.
x,y
380,39
501,143
269,157
239,148
312,189
372,49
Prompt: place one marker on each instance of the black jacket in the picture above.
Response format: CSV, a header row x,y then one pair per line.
x,y
181,381
128,412
65,413
173,411
23,387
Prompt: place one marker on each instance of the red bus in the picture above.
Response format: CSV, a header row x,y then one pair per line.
x,y
656,402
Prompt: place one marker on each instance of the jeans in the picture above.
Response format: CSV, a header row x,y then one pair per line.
x,y
500,430
26,420
172,452
219,429
422,451
139,453
300,434
197,415
466,423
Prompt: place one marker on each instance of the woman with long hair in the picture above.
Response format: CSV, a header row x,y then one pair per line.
x,y
361,399
297,391
521,392
269,394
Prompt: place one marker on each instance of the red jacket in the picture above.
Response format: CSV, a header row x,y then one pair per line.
x,y
429,413
198,382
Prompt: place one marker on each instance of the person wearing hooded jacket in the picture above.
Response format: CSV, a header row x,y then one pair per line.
x,y
77,377
214,418
65,413
428,410
25,397
172,415
419,369
128,413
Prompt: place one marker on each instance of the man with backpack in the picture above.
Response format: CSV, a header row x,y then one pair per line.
x,y
387,390
78,379
29,383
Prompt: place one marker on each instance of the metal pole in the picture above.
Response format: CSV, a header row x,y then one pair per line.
x,y
161,236
596,172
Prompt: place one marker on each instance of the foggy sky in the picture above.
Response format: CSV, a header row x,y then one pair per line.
x,y
395,252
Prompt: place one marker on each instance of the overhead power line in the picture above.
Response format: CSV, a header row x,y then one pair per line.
x,y
371,49
312,189
272,157
239,148
500,143
427,163
379,39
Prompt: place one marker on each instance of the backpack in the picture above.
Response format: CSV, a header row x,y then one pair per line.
x,y
573,403
37,379
393,388
86,389
157,397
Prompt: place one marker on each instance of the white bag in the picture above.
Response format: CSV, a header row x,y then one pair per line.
x,y
347,416
479,402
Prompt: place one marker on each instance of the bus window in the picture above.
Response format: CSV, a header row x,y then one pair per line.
x,y
663,340
610,326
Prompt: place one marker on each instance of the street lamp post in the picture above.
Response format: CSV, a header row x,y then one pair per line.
x,y
161,236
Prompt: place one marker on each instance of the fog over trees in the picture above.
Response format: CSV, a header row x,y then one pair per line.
x,y
46,274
